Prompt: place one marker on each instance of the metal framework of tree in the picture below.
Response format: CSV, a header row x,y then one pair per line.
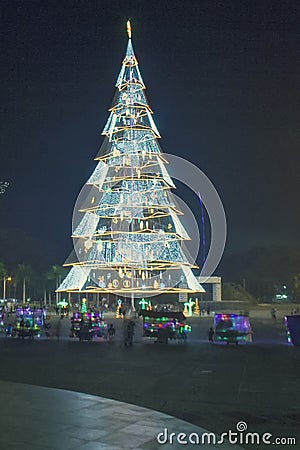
x,y
129,239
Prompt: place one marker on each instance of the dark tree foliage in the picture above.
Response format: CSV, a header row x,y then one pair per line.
x,y
264,270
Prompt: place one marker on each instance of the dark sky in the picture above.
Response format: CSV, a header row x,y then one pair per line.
x,y
222,78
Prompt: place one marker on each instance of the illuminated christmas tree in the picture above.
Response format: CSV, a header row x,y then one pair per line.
x,y
83,309
119,309
197,307
129,239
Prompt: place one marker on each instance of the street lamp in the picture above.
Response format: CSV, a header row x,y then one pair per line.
x,y
5,279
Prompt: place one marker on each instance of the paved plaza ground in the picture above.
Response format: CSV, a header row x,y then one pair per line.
x,y
210,386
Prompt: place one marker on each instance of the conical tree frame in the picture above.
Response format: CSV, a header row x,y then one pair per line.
x,y
129,238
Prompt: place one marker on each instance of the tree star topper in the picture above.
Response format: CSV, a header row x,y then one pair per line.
x,y
129,28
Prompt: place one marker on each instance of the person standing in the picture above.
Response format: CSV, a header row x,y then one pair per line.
x,y
211,335
274,313
58,329
111,332
129,333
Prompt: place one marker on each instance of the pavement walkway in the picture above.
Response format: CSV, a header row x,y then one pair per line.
x,y
38,418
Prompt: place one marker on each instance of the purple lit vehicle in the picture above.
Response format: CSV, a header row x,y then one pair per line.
x,y
87,326
232,328
164,325
2,322
292,324
29,322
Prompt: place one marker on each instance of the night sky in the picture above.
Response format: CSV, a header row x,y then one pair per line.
x,y
223,79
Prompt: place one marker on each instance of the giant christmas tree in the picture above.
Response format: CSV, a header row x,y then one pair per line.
x,y
129,239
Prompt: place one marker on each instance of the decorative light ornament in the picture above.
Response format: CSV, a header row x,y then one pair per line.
x,y
3,186
188,307
143,304
115,283
83,309
197,308
88,244
119,308
101,283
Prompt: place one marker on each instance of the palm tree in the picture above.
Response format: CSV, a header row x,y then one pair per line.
x,y
3,273
57,273
3,270
25,274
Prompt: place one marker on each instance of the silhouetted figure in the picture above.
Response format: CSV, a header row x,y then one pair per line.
x,y
274,313
129,333
58,330
111,332
211,334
